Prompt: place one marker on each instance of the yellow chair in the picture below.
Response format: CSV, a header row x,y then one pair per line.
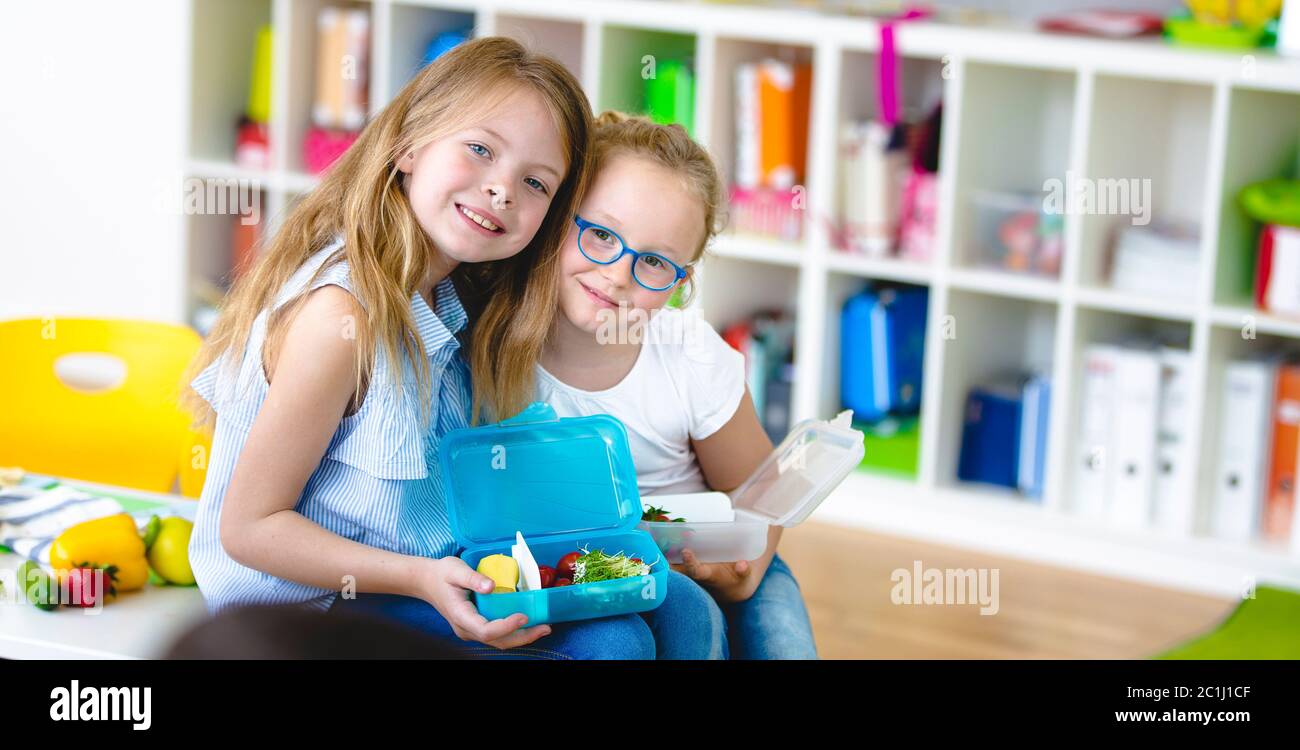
x,y
97,400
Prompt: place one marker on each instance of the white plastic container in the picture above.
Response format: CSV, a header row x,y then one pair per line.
x,y
785,489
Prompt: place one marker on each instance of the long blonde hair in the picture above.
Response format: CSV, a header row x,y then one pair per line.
x,y
361,198
671,147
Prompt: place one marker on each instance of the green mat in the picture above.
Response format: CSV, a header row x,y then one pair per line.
x,y
893,447
1266,627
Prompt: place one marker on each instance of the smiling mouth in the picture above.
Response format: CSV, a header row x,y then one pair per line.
x,y
597,297
479,219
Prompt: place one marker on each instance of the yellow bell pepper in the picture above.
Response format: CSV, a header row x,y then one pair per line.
x,y
112,540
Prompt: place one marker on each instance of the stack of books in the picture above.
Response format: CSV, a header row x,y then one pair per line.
x,y
1158,259
772,111
767,342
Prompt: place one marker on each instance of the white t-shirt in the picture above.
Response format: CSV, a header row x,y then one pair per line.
x,y
686,384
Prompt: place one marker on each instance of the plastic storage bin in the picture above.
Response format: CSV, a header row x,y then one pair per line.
x,y
564,484
1013,231
785,489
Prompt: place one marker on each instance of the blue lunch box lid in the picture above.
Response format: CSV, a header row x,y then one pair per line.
x,y
538,474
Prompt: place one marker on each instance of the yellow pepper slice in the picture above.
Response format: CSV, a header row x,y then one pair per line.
x,y
112,540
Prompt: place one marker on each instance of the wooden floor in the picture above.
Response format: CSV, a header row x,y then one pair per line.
x,y
1044,612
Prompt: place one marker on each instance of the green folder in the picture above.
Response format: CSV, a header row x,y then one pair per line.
x,y
670,94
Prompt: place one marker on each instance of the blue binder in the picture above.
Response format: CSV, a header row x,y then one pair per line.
x,y
1032,458
882,348
990,436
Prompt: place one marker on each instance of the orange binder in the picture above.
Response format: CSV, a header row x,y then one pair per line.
x,y
784,95
1279,503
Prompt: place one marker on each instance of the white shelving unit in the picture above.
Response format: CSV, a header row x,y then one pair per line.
x,y
1019,107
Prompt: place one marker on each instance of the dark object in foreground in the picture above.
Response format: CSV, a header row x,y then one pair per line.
x,y
288,632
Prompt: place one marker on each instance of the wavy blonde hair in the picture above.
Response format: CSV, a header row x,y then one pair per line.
x,y
669,146
362,199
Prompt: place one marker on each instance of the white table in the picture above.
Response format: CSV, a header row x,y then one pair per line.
x,y
136,625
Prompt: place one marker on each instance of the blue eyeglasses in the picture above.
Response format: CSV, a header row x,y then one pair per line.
x,y
602,245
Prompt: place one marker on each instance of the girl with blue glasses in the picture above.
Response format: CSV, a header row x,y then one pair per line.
x,y
653,204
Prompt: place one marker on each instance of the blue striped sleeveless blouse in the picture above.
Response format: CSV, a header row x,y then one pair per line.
x,y
377,483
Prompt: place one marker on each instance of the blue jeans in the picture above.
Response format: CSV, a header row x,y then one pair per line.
x,y
688,624
773,623
693,628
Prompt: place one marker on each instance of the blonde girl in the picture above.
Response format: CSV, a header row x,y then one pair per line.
x,y
340,360
654,203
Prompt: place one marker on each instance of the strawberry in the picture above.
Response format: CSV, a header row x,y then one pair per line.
x,y
86,583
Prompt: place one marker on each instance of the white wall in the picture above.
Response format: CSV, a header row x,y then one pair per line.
x,y
92,116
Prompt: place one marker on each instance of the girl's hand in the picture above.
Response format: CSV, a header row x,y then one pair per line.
x,y
728,582
446,584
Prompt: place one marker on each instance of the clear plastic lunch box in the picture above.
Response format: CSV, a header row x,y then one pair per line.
x,y
785,489
565,484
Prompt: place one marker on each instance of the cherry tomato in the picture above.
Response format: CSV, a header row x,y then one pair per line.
x,y
562,582
565,566
661,518
547,574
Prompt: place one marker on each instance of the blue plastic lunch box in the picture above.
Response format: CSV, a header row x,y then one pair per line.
x,y
566,484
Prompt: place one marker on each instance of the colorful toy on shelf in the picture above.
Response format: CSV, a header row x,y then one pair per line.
x,y
1226,24
1275,203
253,145
1014,231
920,204
252,138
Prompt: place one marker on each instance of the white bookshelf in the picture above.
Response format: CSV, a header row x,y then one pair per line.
x,y
1019,107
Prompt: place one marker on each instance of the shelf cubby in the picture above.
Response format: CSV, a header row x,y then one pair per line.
x,y
893,445
729,54
1262,143
985,337
222,43
732,289
1146,162
1015,134
559,39
411,29
210,261
303,33
921,88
